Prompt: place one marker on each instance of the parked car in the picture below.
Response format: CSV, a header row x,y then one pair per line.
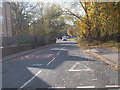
x,y
64,38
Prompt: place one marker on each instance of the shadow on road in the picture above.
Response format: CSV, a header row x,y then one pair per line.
x,y
63,57
16,73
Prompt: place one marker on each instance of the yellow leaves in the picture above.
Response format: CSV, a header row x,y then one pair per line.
x,y
100,8
81,27
91,12
102,14
103,19
88,4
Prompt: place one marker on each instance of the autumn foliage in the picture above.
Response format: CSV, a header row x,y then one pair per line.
x,y
100,21
71,31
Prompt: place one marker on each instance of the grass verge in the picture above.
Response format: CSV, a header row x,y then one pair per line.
x,y
111,44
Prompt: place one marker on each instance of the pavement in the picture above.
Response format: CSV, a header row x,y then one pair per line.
x,y
63,65
106,54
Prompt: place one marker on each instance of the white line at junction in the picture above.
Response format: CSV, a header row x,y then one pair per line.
x,y
56,87
85,86
113,86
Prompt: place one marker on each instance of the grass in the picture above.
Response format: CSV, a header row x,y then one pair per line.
x,y
111,44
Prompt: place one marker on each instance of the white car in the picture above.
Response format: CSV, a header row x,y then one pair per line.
x,y
64,38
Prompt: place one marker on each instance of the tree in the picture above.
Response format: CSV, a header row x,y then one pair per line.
x,y
99,22
53,21
24,15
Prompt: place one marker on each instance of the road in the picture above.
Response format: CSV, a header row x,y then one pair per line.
x,y
63,65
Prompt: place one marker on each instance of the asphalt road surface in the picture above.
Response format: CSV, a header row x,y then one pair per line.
x,y
63,65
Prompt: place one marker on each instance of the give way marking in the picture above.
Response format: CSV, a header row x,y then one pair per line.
x,y
79,67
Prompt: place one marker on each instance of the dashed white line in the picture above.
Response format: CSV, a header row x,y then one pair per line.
x,y
85,86
58,53
26,83
55,57
51,61
30,80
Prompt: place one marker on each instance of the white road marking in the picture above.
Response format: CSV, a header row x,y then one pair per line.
x,y
55,57
30,79
56,87
27,57
51,61
49,55
85,86
58,53
113,86
45,56
73,68
36,64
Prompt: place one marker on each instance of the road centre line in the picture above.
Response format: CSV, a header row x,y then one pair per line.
x,y
58,53
51,61
55,57
30,80
38,72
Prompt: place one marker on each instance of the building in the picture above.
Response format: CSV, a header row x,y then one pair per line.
x,y
5,20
